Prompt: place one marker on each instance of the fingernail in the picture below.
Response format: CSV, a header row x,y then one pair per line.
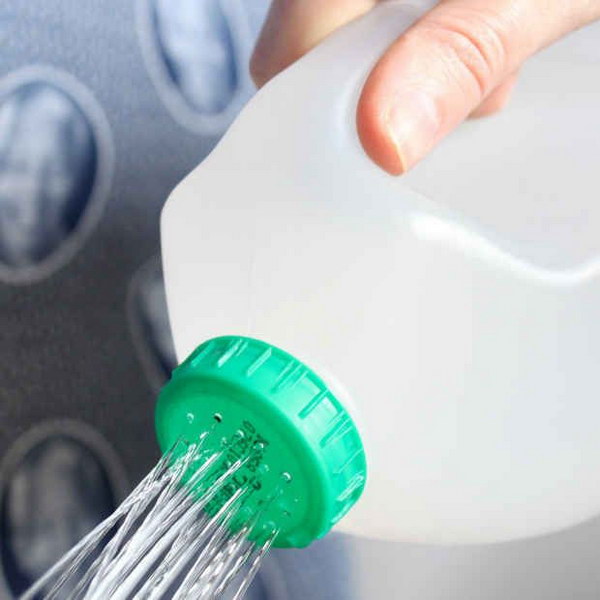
x,y
412,124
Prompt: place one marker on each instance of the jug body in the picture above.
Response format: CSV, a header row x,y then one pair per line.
x,y
470,369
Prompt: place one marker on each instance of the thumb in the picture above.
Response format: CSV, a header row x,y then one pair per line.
x,y
441,69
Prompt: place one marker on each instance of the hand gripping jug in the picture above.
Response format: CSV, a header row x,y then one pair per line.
x,y
470,368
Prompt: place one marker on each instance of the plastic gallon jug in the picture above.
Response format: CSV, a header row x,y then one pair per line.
x,y
468,359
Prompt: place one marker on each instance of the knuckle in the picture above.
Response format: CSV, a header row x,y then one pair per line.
x,y
260,70
474,44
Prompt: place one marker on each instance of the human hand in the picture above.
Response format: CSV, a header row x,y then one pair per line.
x,y
460,59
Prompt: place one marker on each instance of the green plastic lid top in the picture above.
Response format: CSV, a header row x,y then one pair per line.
x,y
311,454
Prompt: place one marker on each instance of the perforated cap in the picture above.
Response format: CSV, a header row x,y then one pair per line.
x,y
308,438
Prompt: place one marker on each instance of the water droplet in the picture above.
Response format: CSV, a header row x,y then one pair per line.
x,y
263,469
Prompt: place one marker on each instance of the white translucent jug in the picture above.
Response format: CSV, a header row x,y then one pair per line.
x,y
468,347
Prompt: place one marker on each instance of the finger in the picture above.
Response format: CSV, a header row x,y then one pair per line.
x,y
496,100
293,27
444,66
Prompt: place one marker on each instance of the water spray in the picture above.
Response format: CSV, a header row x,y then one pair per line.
x,y
257,452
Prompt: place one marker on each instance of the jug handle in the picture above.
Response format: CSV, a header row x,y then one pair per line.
x,y
348,56
319,94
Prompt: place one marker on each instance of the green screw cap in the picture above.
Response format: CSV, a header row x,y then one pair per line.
x,y
311,452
